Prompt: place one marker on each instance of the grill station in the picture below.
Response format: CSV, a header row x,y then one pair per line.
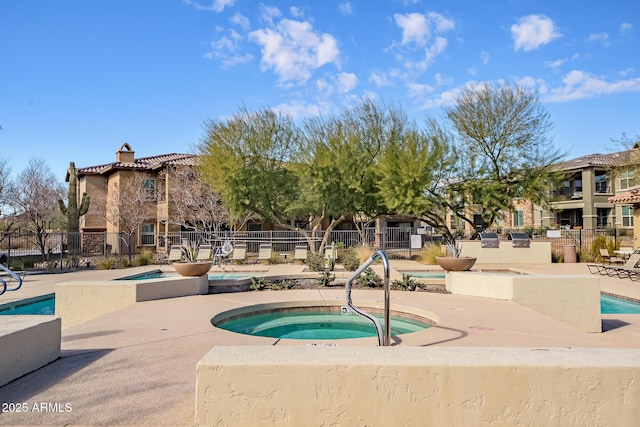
x,y
489,240
520,240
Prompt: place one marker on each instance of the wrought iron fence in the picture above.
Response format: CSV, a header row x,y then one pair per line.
x,y
57,249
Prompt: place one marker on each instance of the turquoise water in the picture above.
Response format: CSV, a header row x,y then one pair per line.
x,y
44,306
319,324
426,274
161,275
613,305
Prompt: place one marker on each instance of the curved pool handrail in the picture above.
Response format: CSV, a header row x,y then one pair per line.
x,y
3,286
384,338
12,275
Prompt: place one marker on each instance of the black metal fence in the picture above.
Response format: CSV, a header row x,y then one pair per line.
x,y
61,249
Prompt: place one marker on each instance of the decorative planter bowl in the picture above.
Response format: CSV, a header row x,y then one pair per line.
x,y
191,269
455,264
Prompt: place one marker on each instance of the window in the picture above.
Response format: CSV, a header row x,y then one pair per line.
x,y
627,216
602,182
627,179
518,218
148,234
149,188
602,219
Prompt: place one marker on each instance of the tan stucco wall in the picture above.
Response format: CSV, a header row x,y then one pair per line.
x,y
77,302
26,344
574,300
413,386
538,253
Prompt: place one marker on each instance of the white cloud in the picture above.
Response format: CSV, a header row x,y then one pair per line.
x,y
580,85
345,8
443,81
293,50
627,71
296,12
241,21
555,64
422,32
417,90
414,28
600,38
380,79
339,83
226,49
533,31
625,27
215,6
297,109
484,57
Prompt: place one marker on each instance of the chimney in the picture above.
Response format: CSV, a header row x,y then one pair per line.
x,y
125,154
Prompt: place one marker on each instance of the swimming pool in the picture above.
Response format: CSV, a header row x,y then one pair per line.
x,y
612,305
320,323
43,305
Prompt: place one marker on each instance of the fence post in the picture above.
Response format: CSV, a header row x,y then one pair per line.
x,y
9,252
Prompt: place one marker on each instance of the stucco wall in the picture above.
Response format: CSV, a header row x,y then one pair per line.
x,y
77,302
574,300
394,386
27,343
538,253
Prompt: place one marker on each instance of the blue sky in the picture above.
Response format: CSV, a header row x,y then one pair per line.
x,y
80,78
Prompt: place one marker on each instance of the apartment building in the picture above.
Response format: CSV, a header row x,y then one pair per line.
x,y
583,199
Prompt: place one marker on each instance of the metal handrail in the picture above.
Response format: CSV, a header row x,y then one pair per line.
x,y
384,338
13,275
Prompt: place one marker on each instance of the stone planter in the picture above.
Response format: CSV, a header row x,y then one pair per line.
x,y
192,269
455,264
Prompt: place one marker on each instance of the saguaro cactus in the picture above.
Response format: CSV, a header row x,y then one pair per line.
x,y
71,210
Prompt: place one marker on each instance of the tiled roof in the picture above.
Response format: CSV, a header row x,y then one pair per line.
x,y
143,163
632,196
590,160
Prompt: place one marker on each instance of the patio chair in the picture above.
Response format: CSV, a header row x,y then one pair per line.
x,y
204,253
300,254
239,253
175,254
264,253
629,269
604,254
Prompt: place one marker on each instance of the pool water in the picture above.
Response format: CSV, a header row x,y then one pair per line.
x,y
613,305
426,274
317,324
44,305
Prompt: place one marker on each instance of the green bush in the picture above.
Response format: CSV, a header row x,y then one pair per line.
x,y
259,284
315,262
326,277
406,284
145,258
369,278
106,263
350,259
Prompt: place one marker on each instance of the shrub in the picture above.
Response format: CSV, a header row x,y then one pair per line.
x,y
145,258
350,259
106,263
325,278
406,284
364,252
259,284
430,252
369,278
315,262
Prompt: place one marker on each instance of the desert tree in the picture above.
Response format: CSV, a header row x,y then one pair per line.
x,y
505,151
36,201
246,159
193,204
7,202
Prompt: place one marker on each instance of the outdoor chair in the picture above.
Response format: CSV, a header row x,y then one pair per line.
x,y
604,254
204,253
264,253
175,254
629,269
300,254
239,253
